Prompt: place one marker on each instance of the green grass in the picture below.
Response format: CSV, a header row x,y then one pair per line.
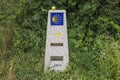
x,y
93,35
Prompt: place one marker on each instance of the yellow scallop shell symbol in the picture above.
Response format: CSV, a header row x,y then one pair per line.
x,y
54,19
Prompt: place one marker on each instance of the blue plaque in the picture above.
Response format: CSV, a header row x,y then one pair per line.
x,y
56,19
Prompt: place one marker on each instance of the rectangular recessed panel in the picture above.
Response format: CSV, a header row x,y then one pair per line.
x,y
56,58
56,44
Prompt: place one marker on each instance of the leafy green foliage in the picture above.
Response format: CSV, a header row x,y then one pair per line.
x,y
93,33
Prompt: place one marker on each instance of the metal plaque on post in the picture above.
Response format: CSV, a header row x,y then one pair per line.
x,y
56,53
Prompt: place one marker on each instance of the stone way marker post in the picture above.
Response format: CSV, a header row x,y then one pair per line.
x,y
56,53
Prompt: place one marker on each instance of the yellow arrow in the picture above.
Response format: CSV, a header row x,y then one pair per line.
x,y
58,34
